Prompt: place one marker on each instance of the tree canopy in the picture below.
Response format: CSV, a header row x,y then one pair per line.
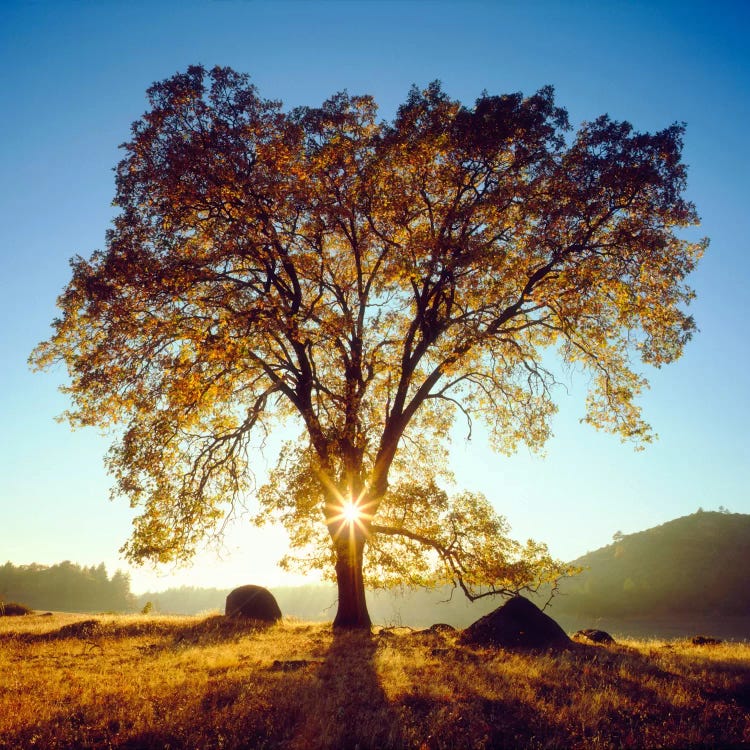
x,y
371,281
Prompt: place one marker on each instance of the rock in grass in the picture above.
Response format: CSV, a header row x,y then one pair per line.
x,y
253,603
705,640
594,636
441,628
13,609
517,624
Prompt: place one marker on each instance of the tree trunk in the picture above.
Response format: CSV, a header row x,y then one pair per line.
x,y
352,609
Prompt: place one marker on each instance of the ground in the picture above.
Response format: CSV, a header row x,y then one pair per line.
x,y
76,681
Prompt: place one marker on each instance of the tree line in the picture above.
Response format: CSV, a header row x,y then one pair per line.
x,y
66,586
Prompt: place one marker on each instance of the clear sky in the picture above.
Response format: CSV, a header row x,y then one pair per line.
x,y
74,75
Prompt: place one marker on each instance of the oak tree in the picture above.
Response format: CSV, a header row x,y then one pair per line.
x,y
371,281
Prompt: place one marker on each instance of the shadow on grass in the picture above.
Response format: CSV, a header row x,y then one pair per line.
x,y
212,629
334,700
626,699
329,695
350,708
301,704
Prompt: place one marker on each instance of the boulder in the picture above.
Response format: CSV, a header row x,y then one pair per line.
x,y
12,609
594,636
253,603
517,624
440,628
705,640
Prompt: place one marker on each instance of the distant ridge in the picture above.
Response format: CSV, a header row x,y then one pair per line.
x,y
694,565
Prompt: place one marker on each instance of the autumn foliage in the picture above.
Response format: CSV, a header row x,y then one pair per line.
x,y
370,282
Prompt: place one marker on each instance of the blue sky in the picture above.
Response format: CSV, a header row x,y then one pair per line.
x,y
74,75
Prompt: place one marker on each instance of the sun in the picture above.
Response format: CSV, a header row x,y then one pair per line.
x,y
347,513
351,512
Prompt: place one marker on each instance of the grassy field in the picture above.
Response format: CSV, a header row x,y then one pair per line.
x,y
68,681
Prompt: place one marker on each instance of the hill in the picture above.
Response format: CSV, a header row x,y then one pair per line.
x,y
695,565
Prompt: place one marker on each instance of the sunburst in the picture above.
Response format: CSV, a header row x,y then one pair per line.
x,y
348,511
351,512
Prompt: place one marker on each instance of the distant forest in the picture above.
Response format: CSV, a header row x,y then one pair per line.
x,y
66,587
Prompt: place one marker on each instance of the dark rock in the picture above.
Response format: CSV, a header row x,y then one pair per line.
x,y
253,603
594,635
517,624
705,640
13,609
441,628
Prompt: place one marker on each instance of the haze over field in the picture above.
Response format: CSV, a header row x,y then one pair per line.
x,y
75,80
681,578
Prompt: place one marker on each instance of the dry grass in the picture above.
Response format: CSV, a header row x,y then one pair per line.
x,y
67,681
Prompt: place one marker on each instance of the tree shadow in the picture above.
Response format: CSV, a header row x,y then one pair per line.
x,y
328,701
352,709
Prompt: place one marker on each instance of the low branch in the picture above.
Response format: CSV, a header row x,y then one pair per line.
x,y
451,557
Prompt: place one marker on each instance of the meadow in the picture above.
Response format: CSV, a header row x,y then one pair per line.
x,y
73,681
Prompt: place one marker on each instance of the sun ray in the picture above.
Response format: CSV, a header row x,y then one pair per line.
x,y
348,512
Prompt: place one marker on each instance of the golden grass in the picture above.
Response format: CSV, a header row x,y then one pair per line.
x,y
71,681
